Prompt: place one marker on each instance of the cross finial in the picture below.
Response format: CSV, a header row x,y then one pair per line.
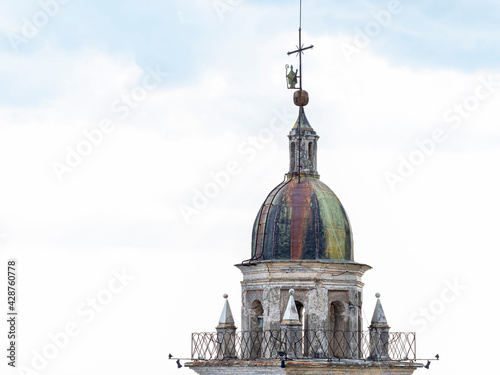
x,y
294,77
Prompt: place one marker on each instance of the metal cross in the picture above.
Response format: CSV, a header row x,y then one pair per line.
x,y
300,48
292,79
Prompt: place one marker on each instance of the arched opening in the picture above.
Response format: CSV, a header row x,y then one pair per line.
x,y
256,329
310,153
339,337
256,319
300,311
292,157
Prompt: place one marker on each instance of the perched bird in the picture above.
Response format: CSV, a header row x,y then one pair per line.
x,y
170,356
437,357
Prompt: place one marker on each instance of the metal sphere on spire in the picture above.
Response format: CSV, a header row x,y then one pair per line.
x,y
301,98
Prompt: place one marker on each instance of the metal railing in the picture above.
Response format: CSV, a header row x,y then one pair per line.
x,y
253,345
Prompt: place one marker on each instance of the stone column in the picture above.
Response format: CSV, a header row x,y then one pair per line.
x,y
315,333
226,334
291,330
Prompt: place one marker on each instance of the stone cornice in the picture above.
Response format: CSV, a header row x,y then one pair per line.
x,y
307,272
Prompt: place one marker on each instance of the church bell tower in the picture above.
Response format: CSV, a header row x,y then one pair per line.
x,y
302,290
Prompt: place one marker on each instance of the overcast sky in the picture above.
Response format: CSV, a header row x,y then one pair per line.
x,y
138,140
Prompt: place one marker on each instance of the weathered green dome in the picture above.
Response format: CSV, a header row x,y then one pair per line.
x,y
302,220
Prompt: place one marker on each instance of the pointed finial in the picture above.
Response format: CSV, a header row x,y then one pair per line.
x,y
226,317
379,334
291,316
378,317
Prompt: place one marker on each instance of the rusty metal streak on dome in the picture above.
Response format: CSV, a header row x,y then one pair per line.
x,y
296,222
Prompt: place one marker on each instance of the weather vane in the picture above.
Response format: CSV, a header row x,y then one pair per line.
x,y
295,76
300,97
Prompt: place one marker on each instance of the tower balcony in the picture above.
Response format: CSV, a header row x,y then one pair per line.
x,y
318,344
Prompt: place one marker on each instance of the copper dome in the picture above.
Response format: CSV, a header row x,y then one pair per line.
x,y
302,220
